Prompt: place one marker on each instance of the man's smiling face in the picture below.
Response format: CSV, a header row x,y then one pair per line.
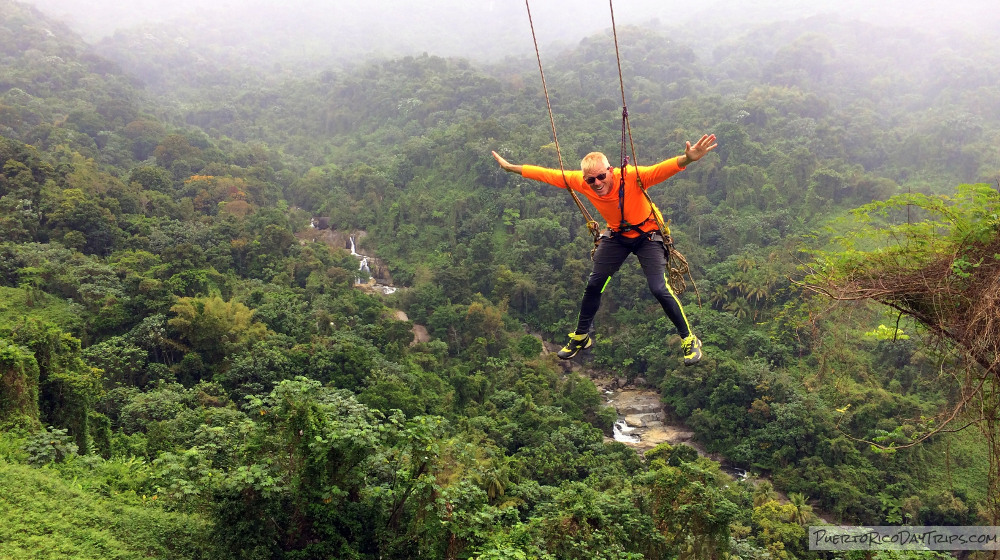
x,y
599,179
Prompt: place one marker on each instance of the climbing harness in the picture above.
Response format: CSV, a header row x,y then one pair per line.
x,y
677,265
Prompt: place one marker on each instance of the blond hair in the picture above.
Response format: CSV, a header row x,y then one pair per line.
x,y
594,161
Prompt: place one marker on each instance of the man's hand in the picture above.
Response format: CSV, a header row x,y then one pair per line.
x,y
511,168
699,149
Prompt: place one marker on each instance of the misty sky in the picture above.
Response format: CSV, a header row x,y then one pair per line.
x,y
494,28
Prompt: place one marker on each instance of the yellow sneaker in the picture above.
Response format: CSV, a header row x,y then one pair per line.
x,y
692,349
576,343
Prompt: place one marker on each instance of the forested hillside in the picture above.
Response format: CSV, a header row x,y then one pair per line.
x,y
185,374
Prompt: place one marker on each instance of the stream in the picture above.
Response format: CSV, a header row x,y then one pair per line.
x,y
642,425
366,269
642,421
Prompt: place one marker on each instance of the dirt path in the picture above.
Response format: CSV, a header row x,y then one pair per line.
x,y
420,333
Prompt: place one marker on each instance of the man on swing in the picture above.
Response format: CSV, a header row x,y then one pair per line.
x,y
618,198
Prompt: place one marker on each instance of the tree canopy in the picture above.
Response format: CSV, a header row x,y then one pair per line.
x,y
189,369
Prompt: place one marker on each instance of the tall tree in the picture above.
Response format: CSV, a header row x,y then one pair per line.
x,y
937,260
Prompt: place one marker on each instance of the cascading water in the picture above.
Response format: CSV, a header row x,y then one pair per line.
x,y
365,267
735,472
623,432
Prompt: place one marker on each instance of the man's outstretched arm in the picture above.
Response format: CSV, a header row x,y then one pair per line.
x,y
693,153
510,167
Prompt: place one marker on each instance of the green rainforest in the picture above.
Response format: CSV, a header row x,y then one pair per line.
x,y
194,364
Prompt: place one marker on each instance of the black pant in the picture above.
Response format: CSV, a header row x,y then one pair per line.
x,y
610,254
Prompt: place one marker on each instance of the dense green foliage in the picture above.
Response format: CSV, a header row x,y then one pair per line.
x,y
51,514
217,386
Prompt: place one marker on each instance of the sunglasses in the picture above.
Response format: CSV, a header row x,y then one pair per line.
x,y
591,180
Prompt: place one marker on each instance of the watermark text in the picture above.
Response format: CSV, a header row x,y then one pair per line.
x,y
878,537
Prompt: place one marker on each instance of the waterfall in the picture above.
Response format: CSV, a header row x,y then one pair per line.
x,y
735,472
623,432
363,267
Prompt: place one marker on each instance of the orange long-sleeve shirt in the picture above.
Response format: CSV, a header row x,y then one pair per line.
x,y
637,208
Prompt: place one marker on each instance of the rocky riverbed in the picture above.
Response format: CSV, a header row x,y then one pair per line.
x,y
642,421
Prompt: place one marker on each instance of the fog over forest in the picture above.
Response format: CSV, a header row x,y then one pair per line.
x,y
311,30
